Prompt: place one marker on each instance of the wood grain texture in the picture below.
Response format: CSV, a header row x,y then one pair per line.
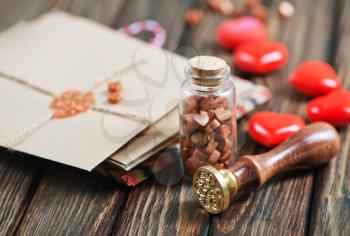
x,y
69,201
12,11
282,206
153,209
331,202
19,177
102,11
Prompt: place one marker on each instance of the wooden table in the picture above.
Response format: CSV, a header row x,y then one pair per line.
x,y
38,197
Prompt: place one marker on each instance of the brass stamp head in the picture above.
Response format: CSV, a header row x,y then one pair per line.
x,y
214,188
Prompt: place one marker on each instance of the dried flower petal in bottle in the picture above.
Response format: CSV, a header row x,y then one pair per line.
x,y
207,114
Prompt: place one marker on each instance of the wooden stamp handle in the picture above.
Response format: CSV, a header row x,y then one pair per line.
x,y
312,146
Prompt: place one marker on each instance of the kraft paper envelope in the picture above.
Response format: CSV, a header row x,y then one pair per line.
x,y
58,52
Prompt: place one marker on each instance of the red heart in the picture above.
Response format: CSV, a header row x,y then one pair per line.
x,y
271,129
333,108
241,30
315,78
261,57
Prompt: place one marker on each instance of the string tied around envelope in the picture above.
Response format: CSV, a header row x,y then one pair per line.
x,y
71,103
28,131
85,101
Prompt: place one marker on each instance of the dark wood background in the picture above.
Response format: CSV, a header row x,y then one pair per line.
x,y
38,197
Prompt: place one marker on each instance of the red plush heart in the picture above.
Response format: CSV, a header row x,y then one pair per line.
x,y
260,57
271,129
315,78
333,108
241,30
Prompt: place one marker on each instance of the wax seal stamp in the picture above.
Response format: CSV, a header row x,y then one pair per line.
x,y
71,103
311,146
213,188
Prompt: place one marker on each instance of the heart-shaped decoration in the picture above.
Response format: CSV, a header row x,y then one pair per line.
x,y
223,114
315,78
241,30
271,129
333,108
260,57
202,119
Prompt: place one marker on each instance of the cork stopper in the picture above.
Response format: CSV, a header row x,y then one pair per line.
x,y
207,70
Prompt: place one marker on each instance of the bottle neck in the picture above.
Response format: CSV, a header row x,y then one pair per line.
x,y
207,83
205,88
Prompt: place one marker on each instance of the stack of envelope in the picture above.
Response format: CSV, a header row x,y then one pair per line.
x,y
57,52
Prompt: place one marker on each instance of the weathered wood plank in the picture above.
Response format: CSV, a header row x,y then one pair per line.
x,y
282,206
103,11
153,209
69,201
19,177
15,10
331,203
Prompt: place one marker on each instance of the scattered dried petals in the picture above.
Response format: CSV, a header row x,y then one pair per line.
x,y
225,7
252,3
286,10
194,17
238,12
260,12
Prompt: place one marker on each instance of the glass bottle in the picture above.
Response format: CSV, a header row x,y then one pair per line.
x,y
207,114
